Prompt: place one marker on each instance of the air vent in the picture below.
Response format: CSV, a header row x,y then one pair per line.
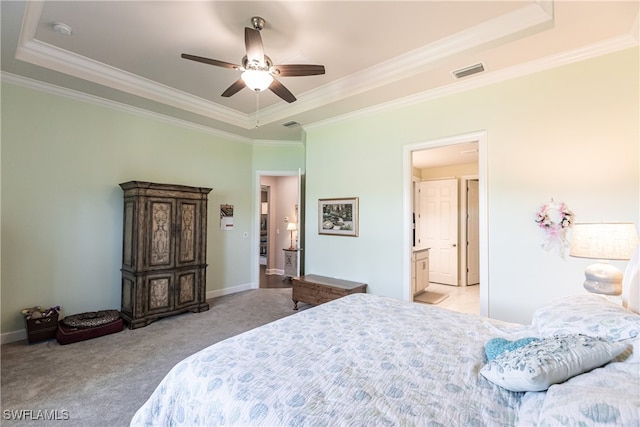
x,y
291,124
467,71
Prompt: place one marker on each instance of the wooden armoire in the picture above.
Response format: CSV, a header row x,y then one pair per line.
x,y
164,251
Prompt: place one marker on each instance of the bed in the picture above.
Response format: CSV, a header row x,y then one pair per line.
x,y
371,360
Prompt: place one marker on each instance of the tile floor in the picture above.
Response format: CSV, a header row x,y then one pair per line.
x,y
465,299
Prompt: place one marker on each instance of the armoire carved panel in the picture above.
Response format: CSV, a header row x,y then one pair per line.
x,y
164,251
160,231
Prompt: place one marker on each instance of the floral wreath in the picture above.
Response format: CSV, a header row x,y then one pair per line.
x,y
555,218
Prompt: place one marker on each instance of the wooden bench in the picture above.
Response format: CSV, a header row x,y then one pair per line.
x,y
314,290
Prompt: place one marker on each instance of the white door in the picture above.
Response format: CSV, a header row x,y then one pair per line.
x,y
473,234
439,214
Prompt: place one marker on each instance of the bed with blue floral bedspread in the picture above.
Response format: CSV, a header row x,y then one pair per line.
x,y
367,360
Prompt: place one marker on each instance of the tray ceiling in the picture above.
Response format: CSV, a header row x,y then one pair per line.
x,y
376,53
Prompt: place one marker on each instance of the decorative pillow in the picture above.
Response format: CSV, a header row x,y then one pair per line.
x,y
496,346
550,360
588,314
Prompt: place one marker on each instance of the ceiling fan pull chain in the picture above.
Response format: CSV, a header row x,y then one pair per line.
x,y
257,108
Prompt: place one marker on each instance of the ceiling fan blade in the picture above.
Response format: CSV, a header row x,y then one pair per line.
x,y
291,70
234,88
253,44
279,89
209,61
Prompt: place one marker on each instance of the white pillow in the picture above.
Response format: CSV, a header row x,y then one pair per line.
x,y
588,314
550,360
593,315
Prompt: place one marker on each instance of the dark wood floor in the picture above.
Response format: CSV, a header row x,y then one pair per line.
x,y
273,280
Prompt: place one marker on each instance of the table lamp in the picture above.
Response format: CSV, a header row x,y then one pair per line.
x,y
604,242
291,227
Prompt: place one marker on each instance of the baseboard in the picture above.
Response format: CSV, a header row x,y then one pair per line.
x,y
13,336
9,337
226,291
276,271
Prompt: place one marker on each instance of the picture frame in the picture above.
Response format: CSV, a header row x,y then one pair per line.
x,y
338,217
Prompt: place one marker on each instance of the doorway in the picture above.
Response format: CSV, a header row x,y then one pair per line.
x,y
264,226
472,260
278,199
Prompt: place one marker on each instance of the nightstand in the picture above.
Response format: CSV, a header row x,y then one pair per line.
x,y
290,262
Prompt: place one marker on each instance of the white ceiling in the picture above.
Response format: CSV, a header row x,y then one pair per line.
x,y
376,53
449,155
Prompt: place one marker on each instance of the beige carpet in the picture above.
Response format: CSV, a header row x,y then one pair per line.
x,y
429,297
103,381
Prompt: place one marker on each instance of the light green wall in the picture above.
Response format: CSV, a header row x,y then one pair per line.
x,y
62,161
278,157
571,133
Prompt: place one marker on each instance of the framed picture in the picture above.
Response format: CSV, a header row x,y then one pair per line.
x,y
338,217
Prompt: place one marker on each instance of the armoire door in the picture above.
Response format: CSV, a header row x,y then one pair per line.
x,y
160,223
158,293
187,232
186,287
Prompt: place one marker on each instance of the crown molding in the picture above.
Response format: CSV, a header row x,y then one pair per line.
x,y
478,81
598,49
63,61
525,18
31,50
416,61
609,46
276,143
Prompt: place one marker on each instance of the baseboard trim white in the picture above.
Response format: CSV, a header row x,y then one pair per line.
x,y
231,290
13,336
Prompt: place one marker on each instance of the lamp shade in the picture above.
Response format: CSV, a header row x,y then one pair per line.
x,y
257,80
606,241
603,241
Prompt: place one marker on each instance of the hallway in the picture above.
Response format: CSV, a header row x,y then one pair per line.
x,y
272,280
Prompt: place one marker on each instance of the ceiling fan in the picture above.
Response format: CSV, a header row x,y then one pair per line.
x,y
258,72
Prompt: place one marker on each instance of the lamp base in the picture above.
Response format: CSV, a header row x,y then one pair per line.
x,y
603,278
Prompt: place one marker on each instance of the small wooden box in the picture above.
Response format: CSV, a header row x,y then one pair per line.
x,y
42,329
315,290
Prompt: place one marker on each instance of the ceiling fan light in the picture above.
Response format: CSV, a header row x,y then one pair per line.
x,y
257,80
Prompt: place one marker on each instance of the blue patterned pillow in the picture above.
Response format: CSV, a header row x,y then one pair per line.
x,y
496,346
550,360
